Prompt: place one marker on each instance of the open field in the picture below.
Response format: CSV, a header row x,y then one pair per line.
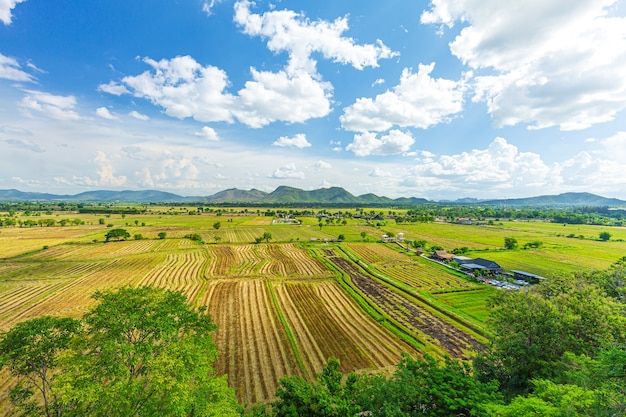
x,y
280,311
285,305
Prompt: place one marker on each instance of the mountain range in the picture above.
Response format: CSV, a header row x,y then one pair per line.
x,y
290,196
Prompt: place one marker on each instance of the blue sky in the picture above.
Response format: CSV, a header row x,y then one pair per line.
x,y
439,99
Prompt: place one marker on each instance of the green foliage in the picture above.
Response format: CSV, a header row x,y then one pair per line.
x,y
195,237
533,330
140,352
510,243
425,387
604,236
162,235
29,350
116,234
217,225
341,237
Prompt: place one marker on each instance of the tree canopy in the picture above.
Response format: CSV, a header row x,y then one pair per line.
x,y
140,351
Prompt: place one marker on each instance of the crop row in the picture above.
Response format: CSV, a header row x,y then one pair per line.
x,y
411,314
414,271
288,261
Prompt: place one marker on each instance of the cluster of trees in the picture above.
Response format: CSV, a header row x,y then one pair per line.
x,y
138,352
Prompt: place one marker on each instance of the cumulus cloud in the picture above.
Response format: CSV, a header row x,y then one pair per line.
x,y
10,69
106,114
56,107
288,171
105,171
138,116
418,101
298,141
293,97
291,32
5,10
208,133
184,88
546,64
500,166
394,142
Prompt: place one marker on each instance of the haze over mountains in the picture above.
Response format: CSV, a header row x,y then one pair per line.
x,y
284,195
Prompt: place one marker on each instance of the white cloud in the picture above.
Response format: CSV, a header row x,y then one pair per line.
x,y
184,88
378,81
321,165
106,114
207,7
10,69
56,107
291,97
208,133
106,174
418,101
291,32
614,147
499,167
113,88
546,63
138,115
367,143
298,141
5,10
144,178
379,173
288,171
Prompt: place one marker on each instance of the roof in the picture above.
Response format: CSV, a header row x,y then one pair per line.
x,y
487,263
527,274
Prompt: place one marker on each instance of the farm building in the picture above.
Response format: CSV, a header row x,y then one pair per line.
x,y
479,264
442,255
527,276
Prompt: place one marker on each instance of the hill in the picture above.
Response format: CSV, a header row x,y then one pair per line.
x,y
561,200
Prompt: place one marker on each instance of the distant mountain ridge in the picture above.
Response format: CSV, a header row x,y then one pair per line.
x,y
285,195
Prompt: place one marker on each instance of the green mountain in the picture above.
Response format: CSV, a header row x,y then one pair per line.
x,y
561,200
234,195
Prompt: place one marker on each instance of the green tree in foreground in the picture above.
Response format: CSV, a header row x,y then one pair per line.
x,y
117,234
419,387
162,235
30,352
605,236
141,352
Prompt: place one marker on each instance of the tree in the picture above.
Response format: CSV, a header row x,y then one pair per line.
x,y
363,235
604,236
510,243
341,237
217,225
116,234
267,236
29,350
162,235
144,351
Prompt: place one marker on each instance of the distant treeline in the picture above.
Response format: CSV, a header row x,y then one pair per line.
x,y
424,213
